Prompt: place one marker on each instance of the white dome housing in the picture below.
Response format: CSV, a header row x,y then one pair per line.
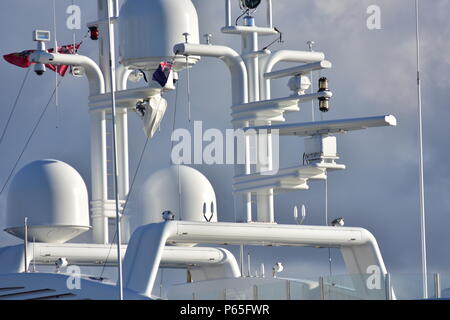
x,y
184,191
149,29
53,196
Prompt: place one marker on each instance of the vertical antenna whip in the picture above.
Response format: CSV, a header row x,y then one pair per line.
x,y
56,71
186,35
25,243
310,44
421,170
112,64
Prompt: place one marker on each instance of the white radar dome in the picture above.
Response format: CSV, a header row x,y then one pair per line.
x,y
184,191
149,30
54,198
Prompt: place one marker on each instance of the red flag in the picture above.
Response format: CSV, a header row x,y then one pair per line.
x,y
22,59
67,49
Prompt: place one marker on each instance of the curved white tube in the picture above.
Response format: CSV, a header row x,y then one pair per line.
x,y
359,247
93,72
231,58
269,61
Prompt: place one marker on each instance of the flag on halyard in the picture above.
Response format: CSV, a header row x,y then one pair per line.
x,y
22,59
161,75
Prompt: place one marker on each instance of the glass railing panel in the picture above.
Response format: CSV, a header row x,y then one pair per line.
x,y
273,291
354,287
304,290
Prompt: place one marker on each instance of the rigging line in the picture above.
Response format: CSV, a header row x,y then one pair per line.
x,y
244,13
30,137
14,105
279,39
141,157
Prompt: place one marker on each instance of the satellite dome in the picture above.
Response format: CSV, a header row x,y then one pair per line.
x,y
53,196
149,30
182,190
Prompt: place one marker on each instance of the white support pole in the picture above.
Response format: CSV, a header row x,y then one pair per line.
x,y
264,200
99,169
269,14
227,13
99,191
239,87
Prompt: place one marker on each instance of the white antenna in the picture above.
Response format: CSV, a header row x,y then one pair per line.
x,y
114,131
34,258
25,242
248,265
310,44
186,36
421,174
241,259
301,219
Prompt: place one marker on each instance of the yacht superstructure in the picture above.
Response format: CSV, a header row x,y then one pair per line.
x,y
176,224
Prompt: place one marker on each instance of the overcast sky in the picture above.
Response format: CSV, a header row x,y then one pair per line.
x,y
373,73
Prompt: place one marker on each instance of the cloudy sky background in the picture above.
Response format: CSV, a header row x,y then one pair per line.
x,y
373,73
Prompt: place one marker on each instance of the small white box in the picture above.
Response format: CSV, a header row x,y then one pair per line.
x,y
41,35
318,148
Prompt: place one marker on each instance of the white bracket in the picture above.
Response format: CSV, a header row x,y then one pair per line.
x,y
327,127
299,70
124,99
283,180
272,110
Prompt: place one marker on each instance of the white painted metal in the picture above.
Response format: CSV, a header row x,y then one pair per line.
x,y
180,189
183,190
228,13
283,180
93,72
271,110
269,14
264,198
53,196
205,262
295,71
240,30
359,247
150,28
231,58
328,126
269,61
239,87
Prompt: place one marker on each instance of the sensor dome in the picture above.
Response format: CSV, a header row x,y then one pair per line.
x,y
182,190
149,30
54,198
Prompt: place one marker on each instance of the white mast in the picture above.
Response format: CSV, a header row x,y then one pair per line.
x,y
421,178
